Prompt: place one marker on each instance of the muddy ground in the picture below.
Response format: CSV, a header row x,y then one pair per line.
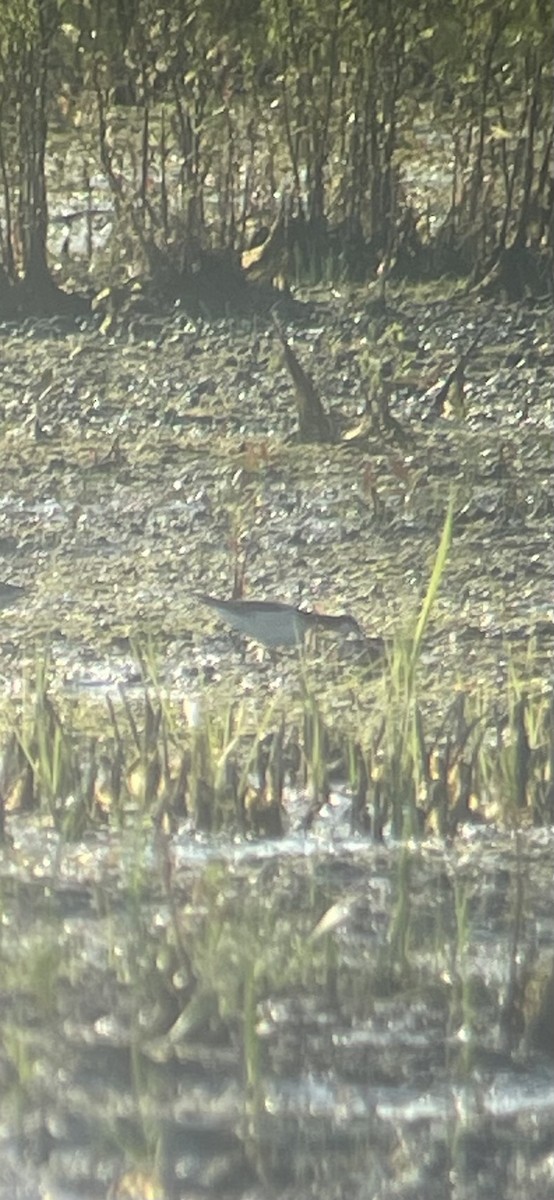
x,y
172,1023
142,465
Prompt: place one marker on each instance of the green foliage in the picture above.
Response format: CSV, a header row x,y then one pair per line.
x,y
19,19
313,100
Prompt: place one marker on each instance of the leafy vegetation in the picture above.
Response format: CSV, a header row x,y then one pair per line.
x,y
414,140
187,1006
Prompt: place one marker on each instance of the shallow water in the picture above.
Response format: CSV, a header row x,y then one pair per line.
x,y
304,1015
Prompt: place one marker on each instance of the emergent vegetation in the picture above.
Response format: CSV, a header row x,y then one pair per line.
x,y
310,138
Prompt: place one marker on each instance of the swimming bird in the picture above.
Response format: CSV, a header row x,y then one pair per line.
x,y
10,593
275,624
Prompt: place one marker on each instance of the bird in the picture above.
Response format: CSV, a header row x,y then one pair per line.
x,y
274,624
10,593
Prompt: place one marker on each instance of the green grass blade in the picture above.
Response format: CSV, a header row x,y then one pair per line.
x,y
434,584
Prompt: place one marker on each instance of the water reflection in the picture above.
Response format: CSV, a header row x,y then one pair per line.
x,y
190,1015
